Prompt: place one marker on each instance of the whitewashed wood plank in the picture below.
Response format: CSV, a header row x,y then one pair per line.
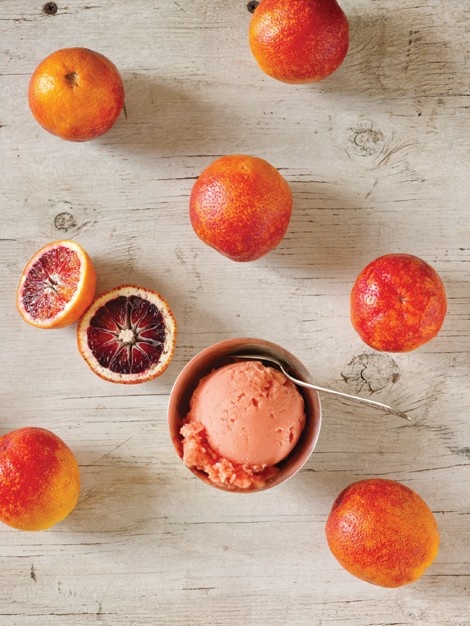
x,y
377,157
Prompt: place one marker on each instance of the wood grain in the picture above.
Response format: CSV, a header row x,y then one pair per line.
x,y
377,157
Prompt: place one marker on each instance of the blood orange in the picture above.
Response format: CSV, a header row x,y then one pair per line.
x,y
398,303
76,94
241,206
57,285
299,41
383,532
127,335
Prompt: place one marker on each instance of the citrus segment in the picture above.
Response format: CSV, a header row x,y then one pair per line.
x,y
57,285
128,335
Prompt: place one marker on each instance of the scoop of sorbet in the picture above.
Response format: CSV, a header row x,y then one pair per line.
x,y
244,419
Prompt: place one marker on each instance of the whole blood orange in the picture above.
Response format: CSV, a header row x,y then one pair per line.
x,y
127,335
383,532
299,41
57,285
398,303
76,94
241,206
39,479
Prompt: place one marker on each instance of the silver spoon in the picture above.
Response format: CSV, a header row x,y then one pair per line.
x,y
301,383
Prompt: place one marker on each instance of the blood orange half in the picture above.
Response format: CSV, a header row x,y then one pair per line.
x,y
57,285
127,335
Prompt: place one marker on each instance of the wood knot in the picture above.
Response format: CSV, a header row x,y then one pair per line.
x,y
370,371
64,221
50,8
366,139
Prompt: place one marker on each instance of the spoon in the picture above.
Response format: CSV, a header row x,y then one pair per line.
x,y
301,383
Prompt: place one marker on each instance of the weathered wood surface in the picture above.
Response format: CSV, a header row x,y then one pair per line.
x,y
377,157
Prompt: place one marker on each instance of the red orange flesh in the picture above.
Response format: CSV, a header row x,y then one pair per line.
x,y
127,335
56,286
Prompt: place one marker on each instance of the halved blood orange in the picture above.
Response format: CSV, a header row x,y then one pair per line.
x,y
57,285
128,335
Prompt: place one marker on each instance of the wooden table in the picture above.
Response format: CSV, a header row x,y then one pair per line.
x,y
377,157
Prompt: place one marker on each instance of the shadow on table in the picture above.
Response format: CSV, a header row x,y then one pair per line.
x,y
115,497
391,54
329,231
167,116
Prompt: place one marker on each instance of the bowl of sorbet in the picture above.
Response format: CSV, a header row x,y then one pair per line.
x,y
240,424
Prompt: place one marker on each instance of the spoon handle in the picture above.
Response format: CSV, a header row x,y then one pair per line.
x,y
379,405
301,383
